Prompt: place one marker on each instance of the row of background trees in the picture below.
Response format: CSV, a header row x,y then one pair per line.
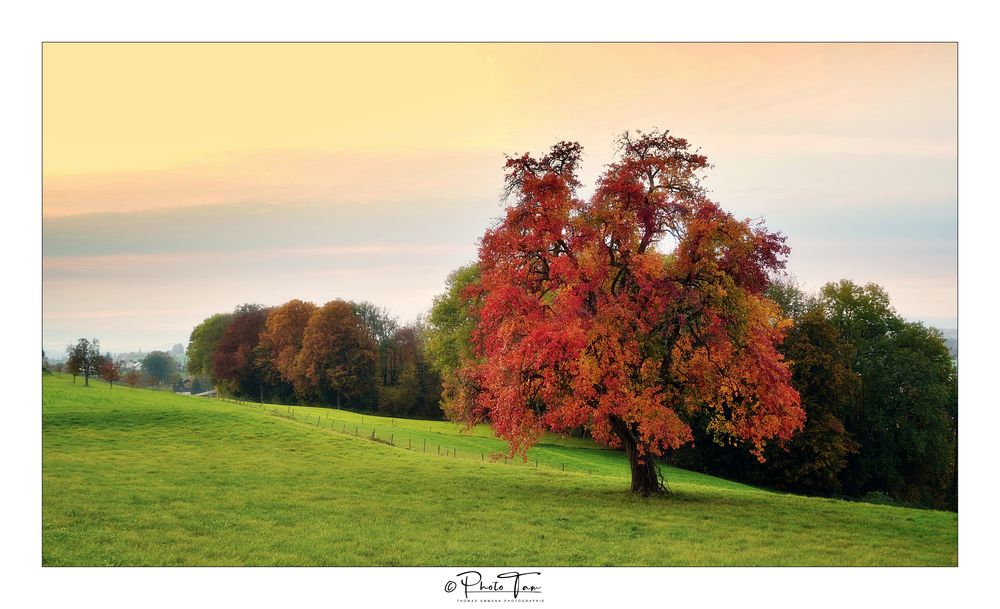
x,y
880,396
880,393
341,354
84,359
881,402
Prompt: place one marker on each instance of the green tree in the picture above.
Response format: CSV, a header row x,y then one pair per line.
x,y
794,302
428,379
381,326
160,366
204,338
74,362
84,359
415,388
814,458
907,416
448,342
863,314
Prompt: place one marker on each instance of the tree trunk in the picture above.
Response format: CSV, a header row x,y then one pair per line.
x,y
646,477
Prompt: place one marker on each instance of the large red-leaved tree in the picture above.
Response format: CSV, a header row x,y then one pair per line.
x,y
628,313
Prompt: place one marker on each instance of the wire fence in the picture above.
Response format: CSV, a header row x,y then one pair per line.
x,y
412,439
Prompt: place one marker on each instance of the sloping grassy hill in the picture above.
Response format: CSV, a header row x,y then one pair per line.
x,y
135,477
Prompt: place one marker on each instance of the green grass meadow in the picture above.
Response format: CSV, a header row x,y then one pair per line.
x,y
139,477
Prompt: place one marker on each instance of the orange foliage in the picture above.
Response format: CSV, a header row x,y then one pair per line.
x,y
281,339
628,312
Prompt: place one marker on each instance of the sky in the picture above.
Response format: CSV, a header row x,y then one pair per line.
x,y
181,180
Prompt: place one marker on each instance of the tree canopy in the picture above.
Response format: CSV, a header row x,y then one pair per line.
x,y
160,366
337,361
235,358
84,359
204,338
881,407
449,340
907,416
627,313
282,335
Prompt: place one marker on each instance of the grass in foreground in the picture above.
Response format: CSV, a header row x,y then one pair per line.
x,y
135,477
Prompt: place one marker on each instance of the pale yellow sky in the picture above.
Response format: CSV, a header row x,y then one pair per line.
x,y
837,145
126,108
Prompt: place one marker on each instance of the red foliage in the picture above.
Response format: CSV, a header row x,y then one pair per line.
x,y
109,369
586,320
234,361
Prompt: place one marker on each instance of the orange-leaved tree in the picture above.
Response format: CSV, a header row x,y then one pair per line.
x,y
336,363
628,313
281,339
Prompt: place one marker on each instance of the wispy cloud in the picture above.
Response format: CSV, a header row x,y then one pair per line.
x,y
240,227
122,263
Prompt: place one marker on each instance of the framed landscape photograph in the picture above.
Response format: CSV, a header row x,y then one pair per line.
x,y
512,311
